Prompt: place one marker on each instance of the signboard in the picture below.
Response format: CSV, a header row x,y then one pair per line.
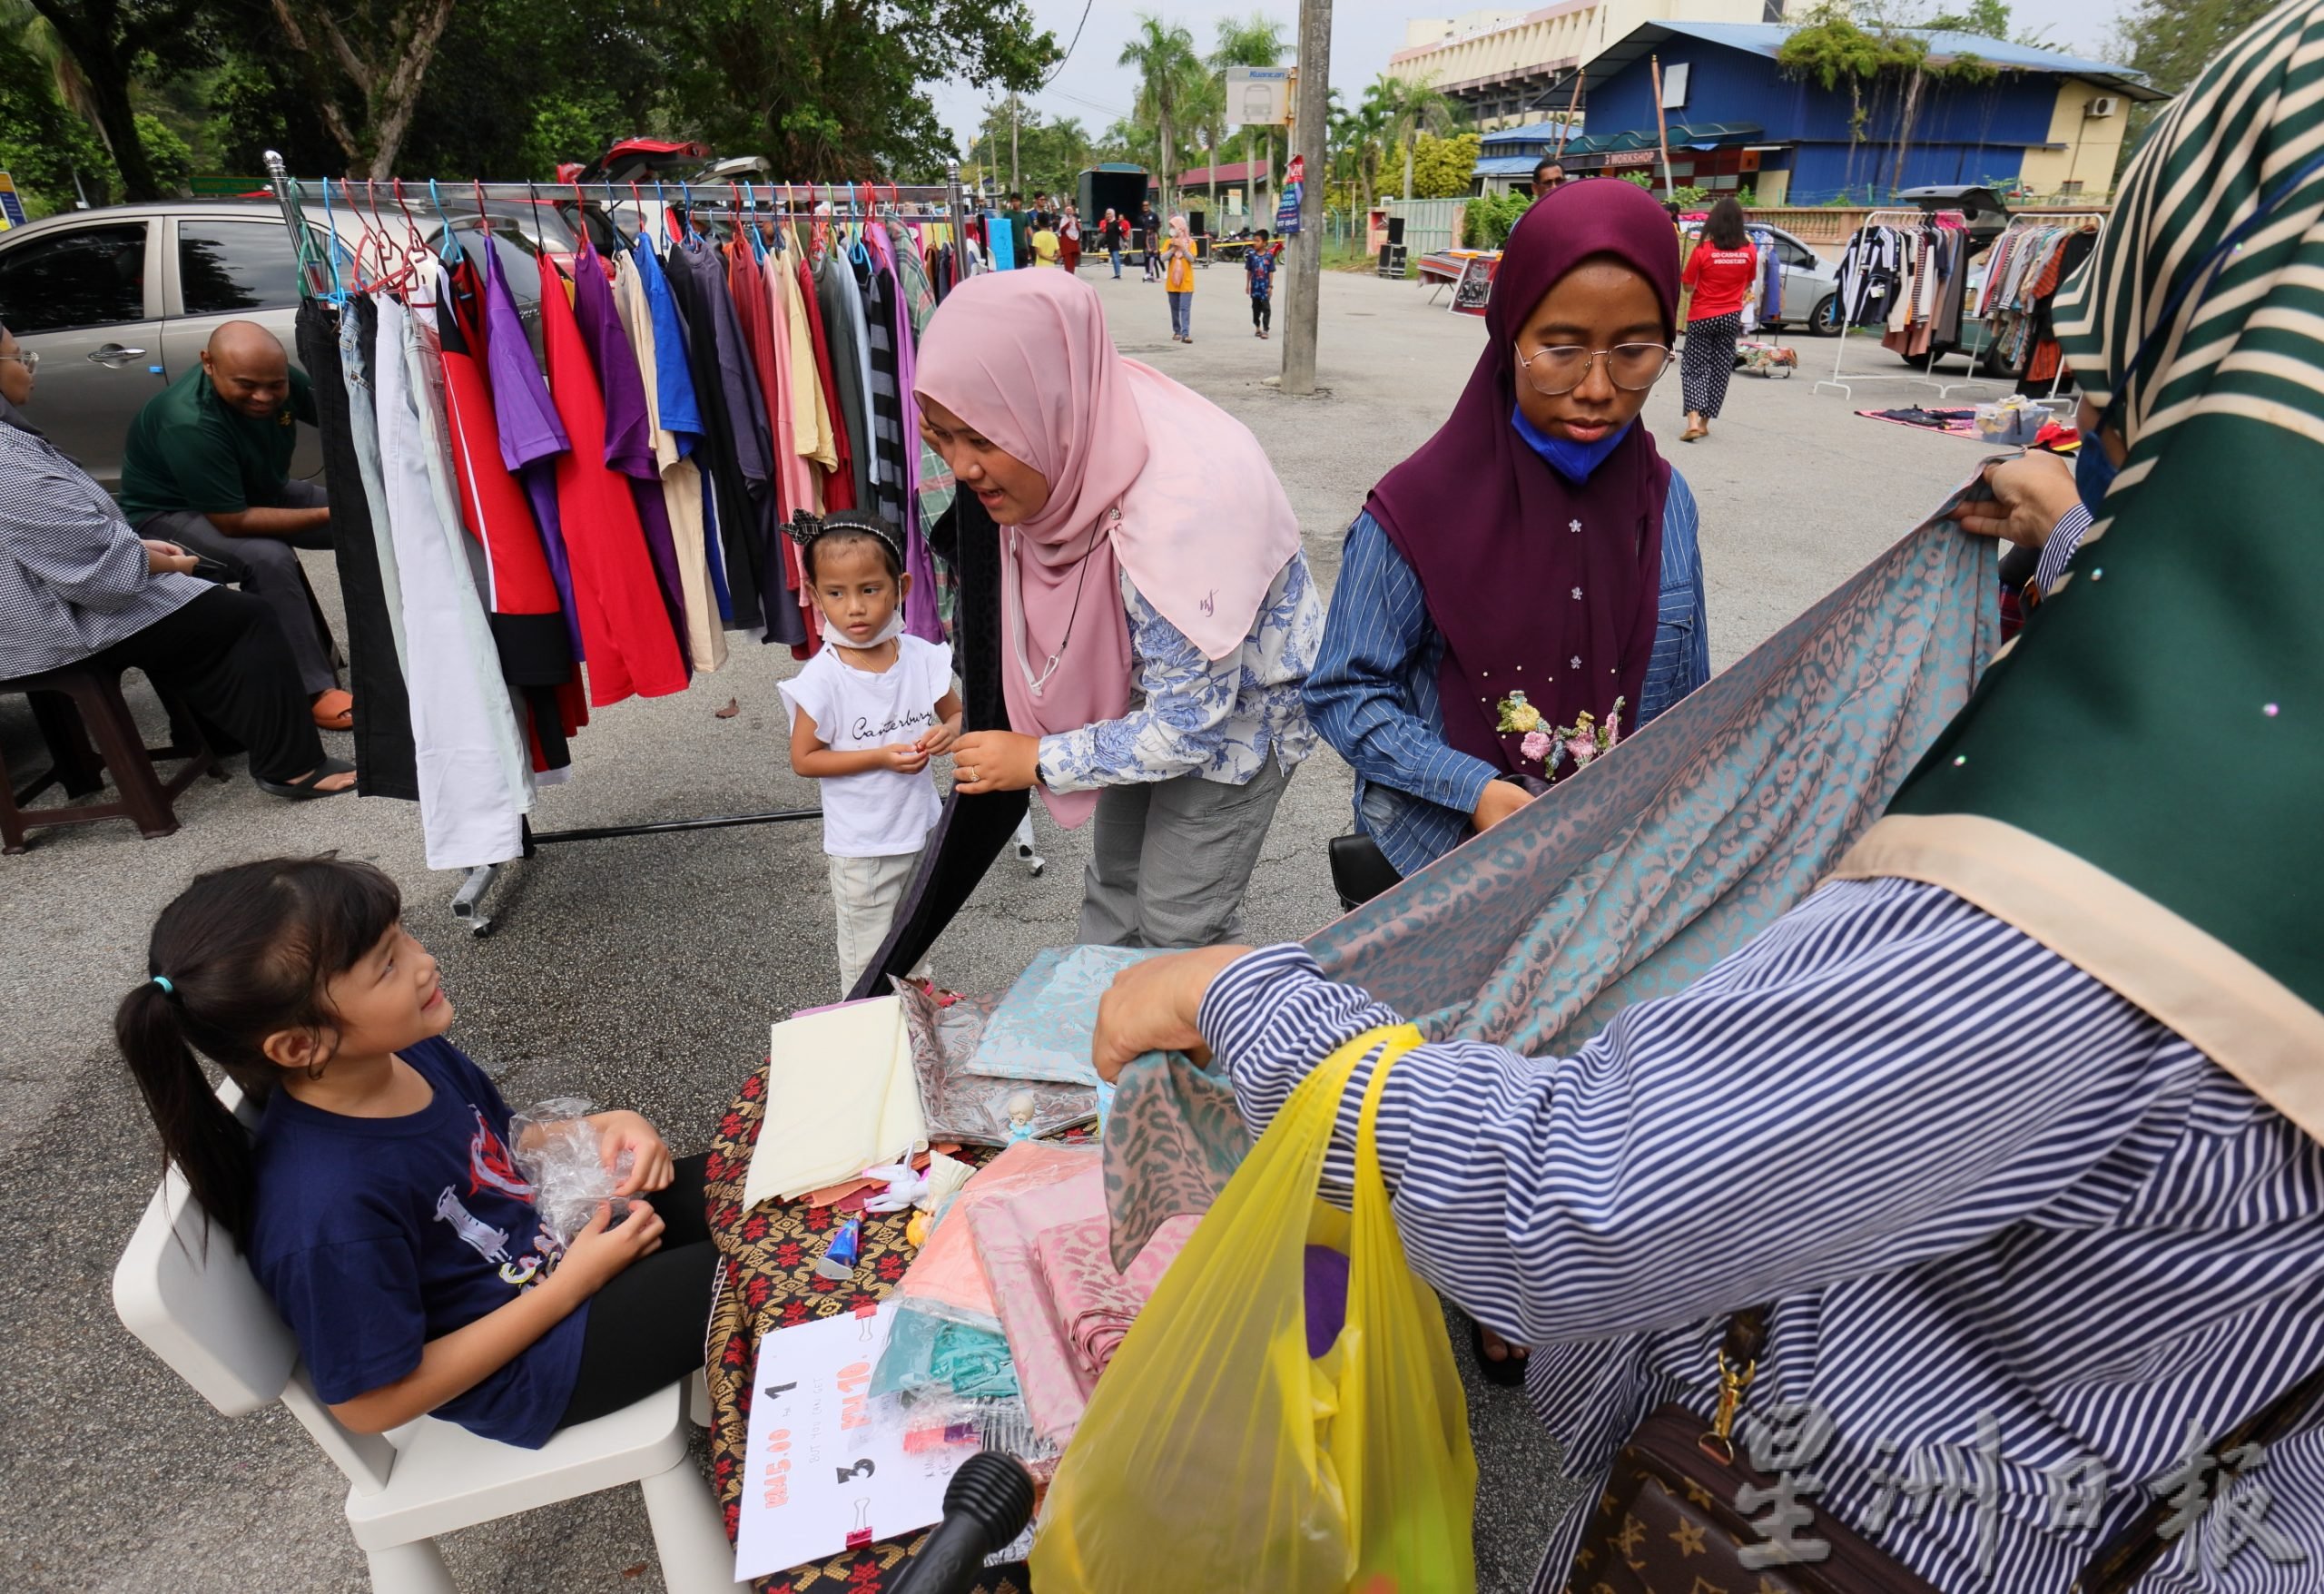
x,y
1258,96
1287,206
1631,158
1473,291
12,208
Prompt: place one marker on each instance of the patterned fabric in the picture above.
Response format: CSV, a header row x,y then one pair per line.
x,y
2106,1248
961,1104
1043,1028
1640,874
1707,361
1374,690
1219,718
768,1281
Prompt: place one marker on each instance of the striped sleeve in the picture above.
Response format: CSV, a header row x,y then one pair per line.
x,y
1885,1075
1355,693
2064,538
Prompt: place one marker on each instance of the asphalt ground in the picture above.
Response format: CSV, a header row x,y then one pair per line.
x,y
644,972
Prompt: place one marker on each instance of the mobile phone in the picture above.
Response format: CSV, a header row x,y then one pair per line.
x,y
208,569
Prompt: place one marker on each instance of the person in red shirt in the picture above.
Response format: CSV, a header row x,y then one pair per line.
x,y
1720,272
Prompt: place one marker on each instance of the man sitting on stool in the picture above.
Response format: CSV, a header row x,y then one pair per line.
x,y
208,466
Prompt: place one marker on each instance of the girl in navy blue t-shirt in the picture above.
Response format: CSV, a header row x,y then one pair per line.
x,y
379,1203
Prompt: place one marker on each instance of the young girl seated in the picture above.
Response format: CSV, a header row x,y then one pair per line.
x,y
867,714
379,1203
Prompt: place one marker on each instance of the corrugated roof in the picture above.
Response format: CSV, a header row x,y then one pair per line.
x,y
1527,132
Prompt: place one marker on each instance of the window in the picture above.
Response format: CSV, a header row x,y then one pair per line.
x,y
88,277
225,267
2070,185
1792,255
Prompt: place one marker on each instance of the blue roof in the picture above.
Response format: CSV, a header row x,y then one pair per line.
x,y
1544,131
1505,166
1766,38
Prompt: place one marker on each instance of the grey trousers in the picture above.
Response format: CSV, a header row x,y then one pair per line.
x,y
267,567
1170,862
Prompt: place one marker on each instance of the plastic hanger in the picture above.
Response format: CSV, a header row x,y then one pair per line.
x,y
453,251
330,222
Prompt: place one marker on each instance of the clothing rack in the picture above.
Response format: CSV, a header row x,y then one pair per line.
x,y
2091,220
467,903
1924,375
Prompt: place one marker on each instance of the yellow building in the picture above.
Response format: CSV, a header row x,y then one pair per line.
x,y
1495,64
2086,134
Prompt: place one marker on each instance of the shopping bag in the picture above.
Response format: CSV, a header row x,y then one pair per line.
x,y
1215,1454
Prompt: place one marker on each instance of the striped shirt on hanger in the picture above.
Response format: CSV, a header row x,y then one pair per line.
x,y
2018,1238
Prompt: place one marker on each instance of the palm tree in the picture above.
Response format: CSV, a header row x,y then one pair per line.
x,y
1163,54
1406,110
1358,137
1202,109
1256,41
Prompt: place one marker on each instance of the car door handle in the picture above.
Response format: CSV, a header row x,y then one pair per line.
x,y
113,354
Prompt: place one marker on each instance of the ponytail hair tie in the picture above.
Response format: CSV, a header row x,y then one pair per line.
x,y
167,989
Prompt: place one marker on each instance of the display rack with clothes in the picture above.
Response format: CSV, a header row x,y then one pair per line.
x,y
558,529
2029,261
1906,271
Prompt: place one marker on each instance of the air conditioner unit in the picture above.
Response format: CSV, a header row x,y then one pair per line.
x,y
2100,105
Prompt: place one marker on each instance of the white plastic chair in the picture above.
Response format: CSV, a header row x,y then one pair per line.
x,y
207,1317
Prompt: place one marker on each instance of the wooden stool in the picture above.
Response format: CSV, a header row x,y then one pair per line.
x,y
140,794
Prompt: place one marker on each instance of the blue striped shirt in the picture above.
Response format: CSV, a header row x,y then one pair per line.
x,y
1972,1182
1373,691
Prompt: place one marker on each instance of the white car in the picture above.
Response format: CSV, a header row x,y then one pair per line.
x,y
1811,290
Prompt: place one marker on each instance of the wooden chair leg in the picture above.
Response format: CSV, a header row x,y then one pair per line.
x,y
122,748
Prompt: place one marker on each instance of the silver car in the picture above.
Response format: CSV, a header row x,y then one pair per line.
x,y
1810,287
118,302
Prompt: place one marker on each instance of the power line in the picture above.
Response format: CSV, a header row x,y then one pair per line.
x,y
1069,48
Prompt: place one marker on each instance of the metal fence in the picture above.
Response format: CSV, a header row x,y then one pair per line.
x,y
1429,224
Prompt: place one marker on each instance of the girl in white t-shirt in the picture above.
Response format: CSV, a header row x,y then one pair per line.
x,y
867,714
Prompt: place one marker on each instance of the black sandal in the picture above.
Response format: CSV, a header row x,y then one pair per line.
x,y
306,789
1509,1372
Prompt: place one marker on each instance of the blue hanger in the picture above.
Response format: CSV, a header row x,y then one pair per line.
x,y
451,252
337,287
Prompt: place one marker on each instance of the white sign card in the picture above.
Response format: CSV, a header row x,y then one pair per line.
x,y
1258,96
828,1468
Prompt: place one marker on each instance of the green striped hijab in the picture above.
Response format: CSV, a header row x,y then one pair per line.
x,y
2139,782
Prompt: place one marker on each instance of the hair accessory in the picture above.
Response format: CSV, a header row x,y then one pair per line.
x,y
804,528
167,989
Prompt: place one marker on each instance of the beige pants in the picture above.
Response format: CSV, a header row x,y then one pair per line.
x,y
865,895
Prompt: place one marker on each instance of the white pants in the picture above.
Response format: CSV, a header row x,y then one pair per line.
x,y
865,894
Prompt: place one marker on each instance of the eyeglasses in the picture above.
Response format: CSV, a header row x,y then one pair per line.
x,y
1562,367
29,359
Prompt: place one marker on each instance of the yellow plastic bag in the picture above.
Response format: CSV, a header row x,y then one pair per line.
x,y
1217,1455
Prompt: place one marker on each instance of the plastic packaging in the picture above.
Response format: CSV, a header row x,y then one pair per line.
x,y
556,1149
1217,1453
972,1108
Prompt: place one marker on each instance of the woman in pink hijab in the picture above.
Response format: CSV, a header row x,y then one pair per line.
x,y
1157,618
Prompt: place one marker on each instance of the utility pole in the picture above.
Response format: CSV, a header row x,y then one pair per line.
x,y
1015,183
1310,115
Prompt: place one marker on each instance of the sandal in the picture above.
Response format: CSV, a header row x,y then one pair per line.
x,y
1509,1372
307,787
335,711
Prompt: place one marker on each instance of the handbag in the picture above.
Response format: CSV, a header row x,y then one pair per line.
x,y
1360,870
1672,1510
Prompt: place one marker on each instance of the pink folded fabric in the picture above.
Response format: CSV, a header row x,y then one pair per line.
x,y
1063,1308
945,1274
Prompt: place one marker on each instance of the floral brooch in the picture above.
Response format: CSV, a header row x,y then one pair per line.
x,y
1551,745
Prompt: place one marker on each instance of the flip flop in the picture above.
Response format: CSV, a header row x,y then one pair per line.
x,y
335,711
304,789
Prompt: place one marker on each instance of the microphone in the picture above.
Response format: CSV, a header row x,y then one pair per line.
x,y
987,1504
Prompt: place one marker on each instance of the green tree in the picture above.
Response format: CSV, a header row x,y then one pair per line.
x,y
1255,40
44,141
1406,110
364,66
1164,56
1357,144
107,40
1445,168
1049,155
2172,41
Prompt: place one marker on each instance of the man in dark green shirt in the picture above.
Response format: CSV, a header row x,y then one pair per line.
x,y
208,466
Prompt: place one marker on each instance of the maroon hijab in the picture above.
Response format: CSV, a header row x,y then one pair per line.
x,y
1517,592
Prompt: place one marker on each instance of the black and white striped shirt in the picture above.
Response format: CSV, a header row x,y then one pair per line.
x,y
73,579
1975,1185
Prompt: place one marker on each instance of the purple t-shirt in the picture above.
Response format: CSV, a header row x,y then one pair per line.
x,y
531,435
629,425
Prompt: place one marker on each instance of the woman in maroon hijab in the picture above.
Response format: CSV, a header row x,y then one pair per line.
x,y
1533,563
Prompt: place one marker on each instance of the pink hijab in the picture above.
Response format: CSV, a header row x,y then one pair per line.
x,y
1203,529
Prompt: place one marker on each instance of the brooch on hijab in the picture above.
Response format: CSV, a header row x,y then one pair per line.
x,y
1550,745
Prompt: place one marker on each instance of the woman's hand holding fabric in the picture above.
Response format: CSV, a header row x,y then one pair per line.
x,y
2030,494
650,1168
996,761
1151,1007
1501,799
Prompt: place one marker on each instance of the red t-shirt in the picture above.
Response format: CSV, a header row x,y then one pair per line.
x,y
1721,279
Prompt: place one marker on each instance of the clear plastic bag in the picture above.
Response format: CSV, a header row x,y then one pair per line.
x,y
1218,1453
555,1149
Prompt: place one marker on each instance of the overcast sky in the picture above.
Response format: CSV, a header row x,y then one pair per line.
x,y
1091,86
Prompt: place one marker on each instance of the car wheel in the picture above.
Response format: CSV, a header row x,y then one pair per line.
x,y
1824,320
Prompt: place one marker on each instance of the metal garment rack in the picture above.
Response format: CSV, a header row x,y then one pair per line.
x,y
845,202
2087,221
1924,375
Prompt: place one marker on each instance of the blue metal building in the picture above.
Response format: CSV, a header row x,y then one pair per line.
x,y
1736,119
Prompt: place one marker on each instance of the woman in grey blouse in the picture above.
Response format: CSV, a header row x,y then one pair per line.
x,y
75,582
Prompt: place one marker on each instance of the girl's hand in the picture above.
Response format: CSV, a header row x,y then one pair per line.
x,y
906,758
604,1248
996,761
939,741
649,1167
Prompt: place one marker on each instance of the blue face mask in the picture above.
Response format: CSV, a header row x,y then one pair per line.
x,y
2094,472
1572,461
